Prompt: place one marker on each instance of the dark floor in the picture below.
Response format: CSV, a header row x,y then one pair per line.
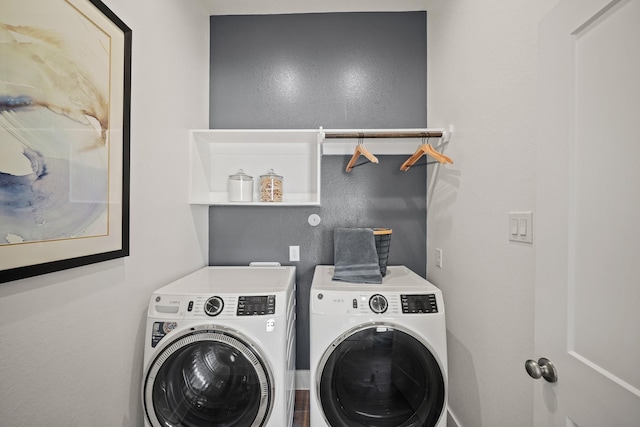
x,y
301,410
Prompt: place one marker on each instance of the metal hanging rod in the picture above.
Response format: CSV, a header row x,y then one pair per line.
x,y
366,135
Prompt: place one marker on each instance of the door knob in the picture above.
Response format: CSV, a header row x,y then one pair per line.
x,y
542,368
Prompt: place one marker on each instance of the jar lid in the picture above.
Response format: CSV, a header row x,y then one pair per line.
x,y
271,174
241,176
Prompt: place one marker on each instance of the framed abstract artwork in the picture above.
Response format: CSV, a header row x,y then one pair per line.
x,y
65,94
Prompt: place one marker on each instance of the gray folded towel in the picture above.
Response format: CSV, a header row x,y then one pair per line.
x,y
355,256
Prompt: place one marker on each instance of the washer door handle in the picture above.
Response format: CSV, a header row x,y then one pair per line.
x,y
543,368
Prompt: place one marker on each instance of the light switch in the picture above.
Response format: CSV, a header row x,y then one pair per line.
x,y
514,227
521,227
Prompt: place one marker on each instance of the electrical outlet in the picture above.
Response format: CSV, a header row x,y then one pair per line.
x,y
294,253
438,257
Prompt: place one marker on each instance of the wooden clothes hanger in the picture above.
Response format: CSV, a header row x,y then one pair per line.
x,y
425,149
360,150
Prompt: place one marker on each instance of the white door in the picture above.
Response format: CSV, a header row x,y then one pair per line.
x,y
587,220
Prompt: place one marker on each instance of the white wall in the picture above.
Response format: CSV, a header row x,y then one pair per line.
x,y
482,79
71,342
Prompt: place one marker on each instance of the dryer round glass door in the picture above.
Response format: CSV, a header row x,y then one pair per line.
x,y
207,377
380,376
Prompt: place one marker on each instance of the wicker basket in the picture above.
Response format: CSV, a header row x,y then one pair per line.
x,y
383,242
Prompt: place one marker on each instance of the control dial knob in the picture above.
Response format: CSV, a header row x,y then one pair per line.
x,y
213,306
378,304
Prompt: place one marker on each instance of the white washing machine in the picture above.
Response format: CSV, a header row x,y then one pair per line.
x,y
378,352
220,349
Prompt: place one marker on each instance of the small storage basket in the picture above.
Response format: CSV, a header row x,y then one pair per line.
x,y
383,242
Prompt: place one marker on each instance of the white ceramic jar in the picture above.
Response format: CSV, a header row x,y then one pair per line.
x,y
240,187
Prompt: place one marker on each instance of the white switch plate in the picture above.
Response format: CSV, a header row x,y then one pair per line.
x,y
439,257
294,253
521,227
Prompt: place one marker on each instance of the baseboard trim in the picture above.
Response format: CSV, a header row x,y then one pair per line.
x,y
303,379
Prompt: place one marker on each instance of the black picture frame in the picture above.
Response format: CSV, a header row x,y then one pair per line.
x,y
108,59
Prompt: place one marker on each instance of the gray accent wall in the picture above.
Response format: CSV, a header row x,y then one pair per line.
x,y
339,71
336,70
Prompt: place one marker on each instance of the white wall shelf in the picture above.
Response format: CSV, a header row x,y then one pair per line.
x,y
293,153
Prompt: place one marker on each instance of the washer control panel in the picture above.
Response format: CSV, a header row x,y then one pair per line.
x,y
171,307
256,305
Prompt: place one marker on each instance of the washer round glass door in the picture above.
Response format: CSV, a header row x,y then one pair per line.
x,y
208,377
380,376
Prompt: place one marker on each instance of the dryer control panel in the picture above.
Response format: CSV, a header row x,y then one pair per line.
x,y
419,303
387,303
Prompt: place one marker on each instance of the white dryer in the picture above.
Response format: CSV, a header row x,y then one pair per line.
x,y
220,349
378,352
